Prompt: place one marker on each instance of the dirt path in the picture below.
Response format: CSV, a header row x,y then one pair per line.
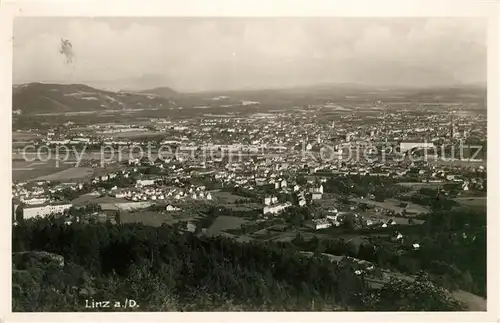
x,y
473,302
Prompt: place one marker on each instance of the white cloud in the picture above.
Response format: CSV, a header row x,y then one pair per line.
x,y
195,53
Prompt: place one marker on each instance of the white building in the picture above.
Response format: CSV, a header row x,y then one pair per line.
x,y
121,193
316,196
171,208
275,209
129,206
318,189
35,201
450,177
45,210
82,139
332,217
370,222
333,210
397,237
58,142
405,146
319,224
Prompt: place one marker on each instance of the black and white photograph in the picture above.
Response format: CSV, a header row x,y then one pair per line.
x,y
255,164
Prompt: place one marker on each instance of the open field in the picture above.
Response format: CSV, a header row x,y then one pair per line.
x,y
109,199
146,217
224,222
393,204
244,207
225,197
68,174
23,135
192,208
108,202
45,167
472,201
84,199
327,201
478,203
28,171
462,163
419,185
132,134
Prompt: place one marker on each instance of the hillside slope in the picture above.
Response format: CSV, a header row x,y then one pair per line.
x,y
44,98
164,91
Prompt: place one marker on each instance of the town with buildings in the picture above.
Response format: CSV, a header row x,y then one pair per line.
x,y
250,164
268,158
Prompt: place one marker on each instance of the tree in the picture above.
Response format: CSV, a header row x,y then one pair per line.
x,y
118,217
379,196
349,222
298,240
466,282
363,207
352,248
320,248
19,212
406,295
349,285
166,269
301,180
367,252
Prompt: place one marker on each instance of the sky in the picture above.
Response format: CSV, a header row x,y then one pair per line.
x,y
202,54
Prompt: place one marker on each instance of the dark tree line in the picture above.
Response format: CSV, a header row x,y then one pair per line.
x,y
163,269
452,249
381,187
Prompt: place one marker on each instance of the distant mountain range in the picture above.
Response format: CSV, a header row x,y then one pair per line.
x,y
50,97
47,98
164,91
135,84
